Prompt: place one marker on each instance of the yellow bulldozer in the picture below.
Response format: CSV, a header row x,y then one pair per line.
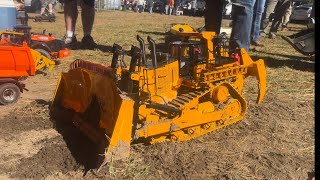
x,y
192,90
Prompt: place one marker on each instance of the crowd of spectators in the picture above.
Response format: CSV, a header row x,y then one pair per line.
x,y
168,7
250,17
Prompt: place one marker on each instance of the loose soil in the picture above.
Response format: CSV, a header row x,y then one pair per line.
x,y
275,140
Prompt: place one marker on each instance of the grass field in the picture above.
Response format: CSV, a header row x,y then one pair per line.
x,y
274,141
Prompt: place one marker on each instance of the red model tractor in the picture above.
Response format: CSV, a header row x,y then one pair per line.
x,y
47,45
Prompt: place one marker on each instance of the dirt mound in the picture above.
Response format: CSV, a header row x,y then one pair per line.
x,y
44,146
52,158
33,116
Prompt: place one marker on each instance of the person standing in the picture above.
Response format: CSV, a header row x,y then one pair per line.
x,y
255,32
171,6
87,16
193,7
125,5
241,23
44,4
140,5
166,6
286,18
213,15
150,5
279,12
269,8
176,6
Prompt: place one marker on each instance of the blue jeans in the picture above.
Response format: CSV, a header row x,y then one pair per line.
x,y
258,10
241,24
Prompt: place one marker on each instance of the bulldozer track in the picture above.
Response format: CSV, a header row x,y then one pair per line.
x,y
183,99
180,102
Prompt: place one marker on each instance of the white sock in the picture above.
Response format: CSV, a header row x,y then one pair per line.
x,y
87,34
69,33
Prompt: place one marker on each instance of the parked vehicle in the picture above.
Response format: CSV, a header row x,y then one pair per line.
x,y
186,5
301,13
296,3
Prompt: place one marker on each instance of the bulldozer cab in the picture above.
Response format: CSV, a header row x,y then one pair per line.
x,y
188,54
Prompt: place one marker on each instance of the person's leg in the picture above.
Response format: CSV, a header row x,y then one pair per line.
x,y
286,17
167,9
42,10
279,13
44,4
70,17
50,6
163,9
255,33
87,17
213,15
269,8
170,11
241,24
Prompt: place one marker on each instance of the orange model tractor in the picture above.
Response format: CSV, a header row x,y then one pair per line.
x,y
16,64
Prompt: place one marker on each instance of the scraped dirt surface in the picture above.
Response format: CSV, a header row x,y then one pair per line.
x,y
275,140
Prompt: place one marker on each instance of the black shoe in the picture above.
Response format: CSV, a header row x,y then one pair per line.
x,y
272,35
257,43
88,42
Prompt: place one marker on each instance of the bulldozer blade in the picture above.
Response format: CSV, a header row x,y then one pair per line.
x,y
302,41
100,112
41,62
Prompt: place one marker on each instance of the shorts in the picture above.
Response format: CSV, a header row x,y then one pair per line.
x,y
86,2
89,2
44,3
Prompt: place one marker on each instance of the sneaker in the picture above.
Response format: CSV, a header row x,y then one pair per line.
x,y
257,43
88,42
69,40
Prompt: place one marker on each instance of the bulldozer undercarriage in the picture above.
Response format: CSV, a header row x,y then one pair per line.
x,y
154,100
230,109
